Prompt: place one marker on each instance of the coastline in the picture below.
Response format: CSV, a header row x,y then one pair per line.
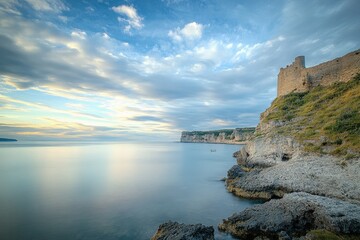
x,y
294,208
304,193
228,143
307,169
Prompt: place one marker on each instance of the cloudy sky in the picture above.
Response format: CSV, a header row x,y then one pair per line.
x,y
148,69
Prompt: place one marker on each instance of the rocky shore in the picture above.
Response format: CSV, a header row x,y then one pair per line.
x,y
293,216
304,161
308,195
266,174
316,192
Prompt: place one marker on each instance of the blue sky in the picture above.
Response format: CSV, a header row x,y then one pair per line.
x,y
149,69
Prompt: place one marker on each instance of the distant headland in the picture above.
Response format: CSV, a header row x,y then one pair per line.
x,y
7,140
227,136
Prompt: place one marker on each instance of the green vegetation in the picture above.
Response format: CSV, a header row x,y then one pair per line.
x,y
325,119
322,234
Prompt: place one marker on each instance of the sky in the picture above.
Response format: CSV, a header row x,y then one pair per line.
x,y
145,70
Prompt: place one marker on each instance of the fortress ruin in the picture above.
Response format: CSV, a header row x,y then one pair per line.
x,y
298,78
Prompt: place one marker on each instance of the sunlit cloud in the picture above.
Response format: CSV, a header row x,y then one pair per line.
x,y
130,16
190,31
81,78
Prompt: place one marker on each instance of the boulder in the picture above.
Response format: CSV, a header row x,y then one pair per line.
x,y
294,215
179,231
235,172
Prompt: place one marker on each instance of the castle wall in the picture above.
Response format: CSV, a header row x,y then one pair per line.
x,y
292,77
297,78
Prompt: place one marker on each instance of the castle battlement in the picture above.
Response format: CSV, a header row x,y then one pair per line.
x,y
297,78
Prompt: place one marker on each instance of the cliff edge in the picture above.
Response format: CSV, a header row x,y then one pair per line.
x,y
306,145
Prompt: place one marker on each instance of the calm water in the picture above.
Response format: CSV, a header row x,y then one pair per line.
x,y
111,191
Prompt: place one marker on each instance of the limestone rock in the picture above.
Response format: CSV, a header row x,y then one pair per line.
x,y
319,175
178,231
294,214
235,172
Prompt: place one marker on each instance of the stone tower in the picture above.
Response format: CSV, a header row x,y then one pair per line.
x,y
293,77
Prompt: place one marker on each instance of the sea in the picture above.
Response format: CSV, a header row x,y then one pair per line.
x,y
63,190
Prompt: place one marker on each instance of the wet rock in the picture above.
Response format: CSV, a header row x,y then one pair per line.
x,y
235,172
294,215
178,231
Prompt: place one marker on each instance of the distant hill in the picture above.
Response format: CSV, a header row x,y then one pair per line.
x,y
7,140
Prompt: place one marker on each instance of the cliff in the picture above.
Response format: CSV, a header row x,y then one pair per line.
x,y
229,136
303,159
306,145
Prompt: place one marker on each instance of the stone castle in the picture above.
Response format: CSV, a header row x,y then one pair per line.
x,y
298,78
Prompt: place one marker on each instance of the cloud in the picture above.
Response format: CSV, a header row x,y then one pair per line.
x,y
100,86
9,6
55,6
147,118
79,34
191,31
55,130
130,17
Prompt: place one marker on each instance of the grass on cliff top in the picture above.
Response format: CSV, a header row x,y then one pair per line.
x,y
325,119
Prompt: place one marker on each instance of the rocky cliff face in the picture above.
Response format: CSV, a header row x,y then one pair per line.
x,y
230,136
305,146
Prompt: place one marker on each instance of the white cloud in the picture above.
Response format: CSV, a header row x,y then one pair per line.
x,y
197,67
106,36
9,6
79,34
47,5
131,17
190,31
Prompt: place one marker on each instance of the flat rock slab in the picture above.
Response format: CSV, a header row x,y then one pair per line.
x,y
317,175
294,215
178,231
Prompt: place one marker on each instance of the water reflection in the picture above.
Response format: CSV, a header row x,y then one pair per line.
x,y
111,191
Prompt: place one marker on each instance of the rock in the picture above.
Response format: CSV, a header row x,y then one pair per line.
x,y
319,175
284,236
241,156
294,215
235,172
178,231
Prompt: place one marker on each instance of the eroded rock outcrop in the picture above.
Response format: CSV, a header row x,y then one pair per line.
x,y
305,151
293,216
178,231
286,169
